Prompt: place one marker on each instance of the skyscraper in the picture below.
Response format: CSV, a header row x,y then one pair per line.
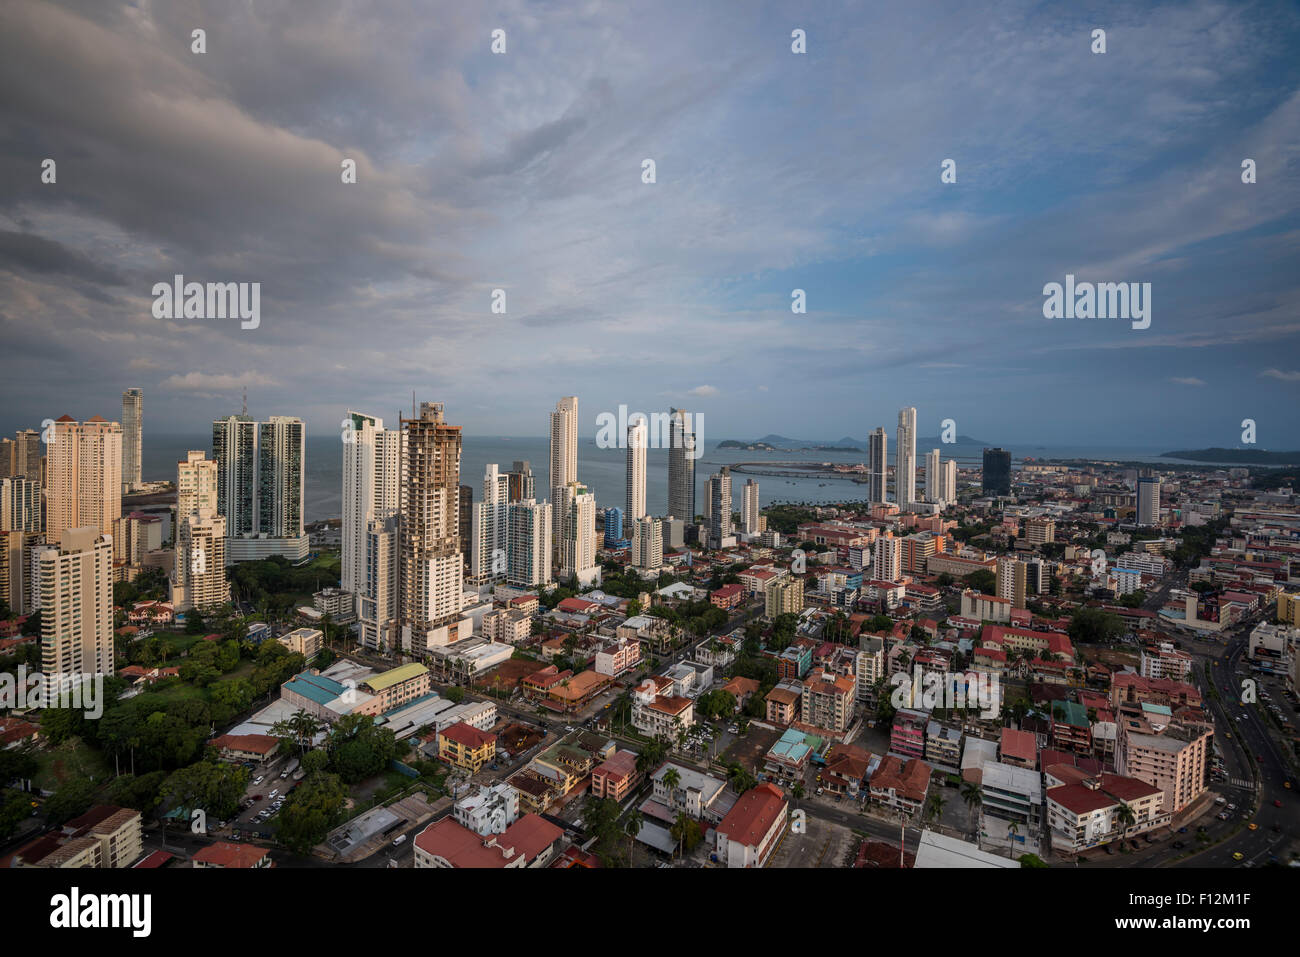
x,y
647,544
489,530
378,599
199,574
749,512
933,478
887,560
280,469
578,535
877,466
75,580
196,485
234,448
681,466
905,463
1148,501
431,562
637,439
530,544
29,454
564,458
613,525
20,506
997,472
948,487
522,483
199,569
720,532
132,433
84,472
372,490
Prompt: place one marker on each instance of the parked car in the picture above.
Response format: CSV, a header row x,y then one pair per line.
x,y
258,780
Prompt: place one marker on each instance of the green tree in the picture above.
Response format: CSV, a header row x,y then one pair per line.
x,y
313,808
1094,626
358,748
73,798
212,785
15,806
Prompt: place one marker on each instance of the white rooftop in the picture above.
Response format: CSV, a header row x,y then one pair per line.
x,y
939,850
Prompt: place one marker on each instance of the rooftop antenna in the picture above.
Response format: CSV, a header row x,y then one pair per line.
x,y
245,409
412,403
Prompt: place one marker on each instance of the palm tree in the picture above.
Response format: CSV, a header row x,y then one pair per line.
x,y
633,828
671,779
1013,830
970,793
1126,818
933,807
678,830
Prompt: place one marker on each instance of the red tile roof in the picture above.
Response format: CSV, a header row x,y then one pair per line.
x,y
224,854
461,847
468,736
1020,745
753,814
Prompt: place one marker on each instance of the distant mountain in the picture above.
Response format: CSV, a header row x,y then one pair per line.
x,y
928,441
1235,456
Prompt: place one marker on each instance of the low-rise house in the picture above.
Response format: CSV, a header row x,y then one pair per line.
x,y
489,809
616,777
678,788
847,768
1092,811
907,736
105,836
245,747
228,856
783,703
531,841
753,828
466,747
660,715
900,783
790,755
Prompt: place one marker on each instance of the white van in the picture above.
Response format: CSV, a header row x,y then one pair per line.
x,y
401,839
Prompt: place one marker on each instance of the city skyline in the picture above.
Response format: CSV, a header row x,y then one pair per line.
x,y
765,184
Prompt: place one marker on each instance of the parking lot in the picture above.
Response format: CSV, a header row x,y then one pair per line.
x,y
263,798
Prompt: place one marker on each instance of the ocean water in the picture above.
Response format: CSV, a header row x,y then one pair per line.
x,y
603,470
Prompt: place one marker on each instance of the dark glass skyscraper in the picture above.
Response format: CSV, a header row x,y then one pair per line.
x,y
997,472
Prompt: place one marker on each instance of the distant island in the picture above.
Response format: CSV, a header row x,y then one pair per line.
x,y
846,443
1236,456
762,446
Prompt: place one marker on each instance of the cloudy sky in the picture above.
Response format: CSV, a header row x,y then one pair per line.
x,y
775,171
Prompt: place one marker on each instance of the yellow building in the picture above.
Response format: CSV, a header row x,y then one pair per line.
x,y
466,747
1288,609
784,596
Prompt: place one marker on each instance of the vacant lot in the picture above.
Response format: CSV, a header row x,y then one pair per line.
x,y
71,759
750,750
507,675
822,844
